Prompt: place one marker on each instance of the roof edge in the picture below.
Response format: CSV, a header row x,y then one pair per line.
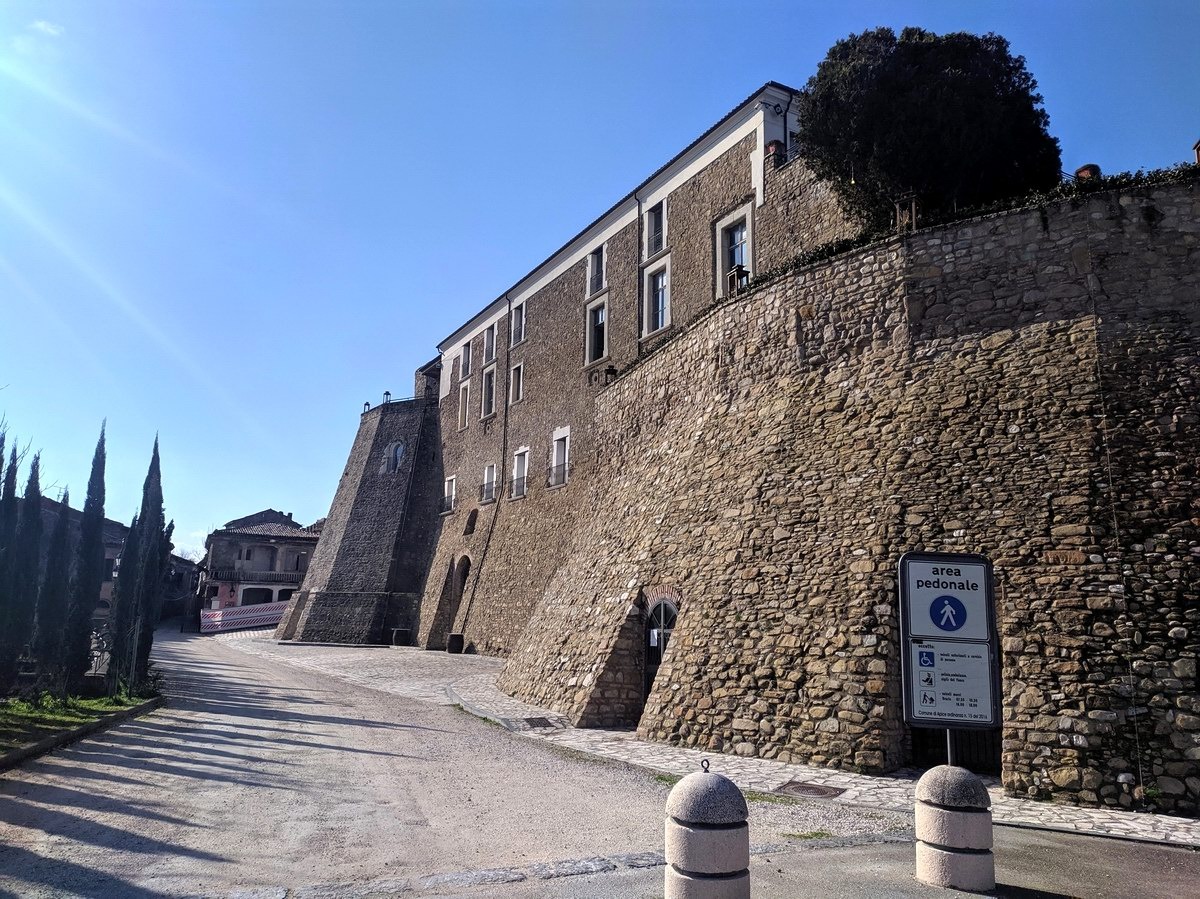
x,y
491,307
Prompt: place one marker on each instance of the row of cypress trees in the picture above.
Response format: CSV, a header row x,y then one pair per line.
x,y
47,618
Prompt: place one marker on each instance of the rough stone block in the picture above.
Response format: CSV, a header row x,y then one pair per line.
x,y
954,829
700,850
974,871
678,885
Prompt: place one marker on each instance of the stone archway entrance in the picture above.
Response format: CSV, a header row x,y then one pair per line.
x,y
660,624
449,602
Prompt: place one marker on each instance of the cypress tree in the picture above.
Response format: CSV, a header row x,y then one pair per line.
x,y
89,576
51,617
156,579
8,539
140,583
150,569
23,579
4,537
124,604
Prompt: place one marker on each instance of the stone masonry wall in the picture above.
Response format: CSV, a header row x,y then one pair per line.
x,y
511,548
1022,385
363,575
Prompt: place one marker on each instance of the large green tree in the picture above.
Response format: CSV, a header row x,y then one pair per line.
x,y
50,621
23,576
89,576
954,118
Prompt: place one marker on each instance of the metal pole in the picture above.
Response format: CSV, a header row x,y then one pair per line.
x,y
949,748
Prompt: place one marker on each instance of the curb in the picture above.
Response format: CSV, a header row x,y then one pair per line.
x,y
1099,834
507,723
476,710
342,645
15,757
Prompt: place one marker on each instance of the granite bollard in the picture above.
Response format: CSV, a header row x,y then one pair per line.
x,y
707,839
954,830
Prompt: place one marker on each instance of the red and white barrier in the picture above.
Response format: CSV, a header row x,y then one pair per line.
x,y
238,618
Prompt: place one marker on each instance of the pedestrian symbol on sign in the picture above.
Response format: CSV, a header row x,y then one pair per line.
x,y
948,613
926,659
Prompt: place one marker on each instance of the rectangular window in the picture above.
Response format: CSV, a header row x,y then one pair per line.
x,y
656,221
597,331
489,344
516,384
596,270
464,404
520,472
464,366
448,496
487,493
658,300
517,324
560,461
488,404
735,251
735,245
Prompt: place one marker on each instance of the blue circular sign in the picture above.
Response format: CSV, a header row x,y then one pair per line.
x,y
948,613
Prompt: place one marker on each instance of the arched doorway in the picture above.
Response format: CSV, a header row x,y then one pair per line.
x,y
449,602
660,623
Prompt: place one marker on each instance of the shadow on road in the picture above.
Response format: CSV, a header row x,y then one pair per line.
x,y
57,874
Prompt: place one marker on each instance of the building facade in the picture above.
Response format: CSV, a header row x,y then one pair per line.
x,y
258,559
670,474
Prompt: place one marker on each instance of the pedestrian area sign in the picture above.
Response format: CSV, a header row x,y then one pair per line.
x,y
948,631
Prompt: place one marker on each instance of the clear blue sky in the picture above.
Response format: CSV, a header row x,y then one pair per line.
x,y
231,222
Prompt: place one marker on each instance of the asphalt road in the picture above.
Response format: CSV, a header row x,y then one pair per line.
x,y
268,778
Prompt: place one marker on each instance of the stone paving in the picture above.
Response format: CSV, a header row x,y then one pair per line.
x,y
469,681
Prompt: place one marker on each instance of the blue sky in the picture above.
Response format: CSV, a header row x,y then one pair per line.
x,y
230,223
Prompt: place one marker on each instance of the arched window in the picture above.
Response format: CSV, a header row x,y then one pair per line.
x,y
395,455
659,625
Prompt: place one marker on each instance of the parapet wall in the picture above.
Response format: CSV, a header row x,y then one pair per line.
x,y
1023,385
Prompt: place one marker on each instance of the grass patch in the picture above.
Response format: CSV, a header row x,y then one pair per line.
x,y
668,779
773,798
23,721
809,835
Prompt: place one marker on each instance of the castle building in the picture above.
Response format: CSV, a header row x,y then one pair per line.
x,y
670,473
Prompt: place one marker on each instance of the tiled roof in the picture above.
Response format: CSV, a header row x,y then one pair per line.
x,y
290,531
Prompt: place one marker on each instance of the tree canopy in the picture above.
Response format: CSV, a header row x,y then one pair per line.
x,y
954,118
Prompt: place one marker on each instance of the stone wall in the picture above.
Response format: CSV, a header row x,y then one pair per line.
x,y
370,562
493,561
1022,385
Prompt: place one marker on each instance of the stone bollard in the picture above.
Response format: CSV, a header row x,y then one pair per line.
x,y
954,830
708,839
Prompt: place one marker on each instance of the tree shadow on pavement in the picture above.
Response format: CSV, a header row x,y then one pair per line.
x,y
57,874
31,816
45,794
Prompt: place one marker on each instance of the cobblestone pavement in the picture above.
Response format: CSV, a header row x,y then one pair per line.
x,y
469,681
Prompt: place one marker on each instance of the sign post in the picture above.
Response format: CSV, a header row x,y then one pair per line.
x,y
948,642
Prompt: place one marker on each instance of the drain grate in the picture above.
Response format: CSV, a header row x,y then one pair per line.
x,y
539,722
809,791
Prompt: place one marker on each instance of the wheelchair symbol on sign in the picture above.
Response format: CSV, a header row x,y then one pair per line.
x,y
925,659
